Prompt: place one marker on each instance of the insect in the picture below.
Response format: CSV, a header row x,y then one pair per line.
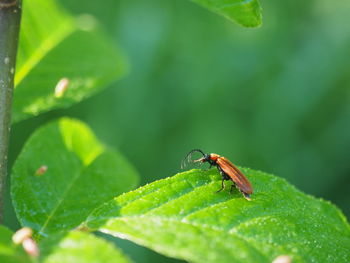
x,y
227,170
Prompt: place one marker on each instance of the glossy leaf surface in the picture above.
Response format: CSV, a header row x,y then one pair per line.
x,y
183,217
53,46
62,173
245,12
79,247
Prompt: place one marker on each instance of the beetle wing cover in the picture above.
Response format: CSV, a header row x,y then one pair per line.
x,y
235,174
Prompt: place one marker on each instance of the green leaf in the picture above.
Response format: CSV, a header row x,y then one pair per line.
x,y
53,46
245,12
80,175
183,217
9,252
78,247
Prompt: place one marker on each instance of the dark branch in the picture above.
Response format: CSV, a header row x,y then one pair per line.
x,y
10,16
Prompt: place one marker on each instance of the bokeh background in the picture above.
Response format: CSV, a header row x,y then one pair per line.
x,y
276,98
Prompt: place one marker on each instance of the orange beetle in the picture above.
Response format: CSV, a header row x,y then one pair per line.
x,y
227,170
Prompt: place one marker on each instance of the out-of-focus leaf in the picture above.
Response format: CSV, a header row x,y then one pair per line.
x,y
54,45
9,252
78,247
183,217
62,173
245,12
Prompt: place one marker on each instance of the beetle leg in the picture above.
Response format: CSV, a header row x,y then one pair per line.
x,y
223,174
225,177
246,196
222,186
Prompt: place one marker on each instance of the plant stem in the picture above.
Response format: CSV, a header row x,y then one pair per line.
x,y
10,16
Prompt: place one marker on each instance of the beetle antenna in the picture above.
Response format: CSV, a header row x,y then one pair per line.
x,y
187,159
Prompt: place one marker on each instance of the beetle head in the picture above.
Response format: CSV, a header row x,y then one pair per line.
x,y
205,158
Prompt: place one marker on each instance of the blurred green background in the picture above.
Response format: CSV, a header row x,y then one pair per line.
x,y
276,98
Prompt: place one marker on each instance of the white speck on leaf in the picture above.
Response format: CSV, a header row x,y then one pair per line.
x,y
61,87
282,259
31,247
86,22
41,170
21,235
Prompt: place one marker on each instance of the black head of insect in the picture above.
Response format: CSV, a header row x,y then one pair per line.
x,y
188,158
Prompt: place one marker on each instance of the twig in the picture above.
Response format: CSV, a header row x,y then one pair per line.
x,y
10,16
